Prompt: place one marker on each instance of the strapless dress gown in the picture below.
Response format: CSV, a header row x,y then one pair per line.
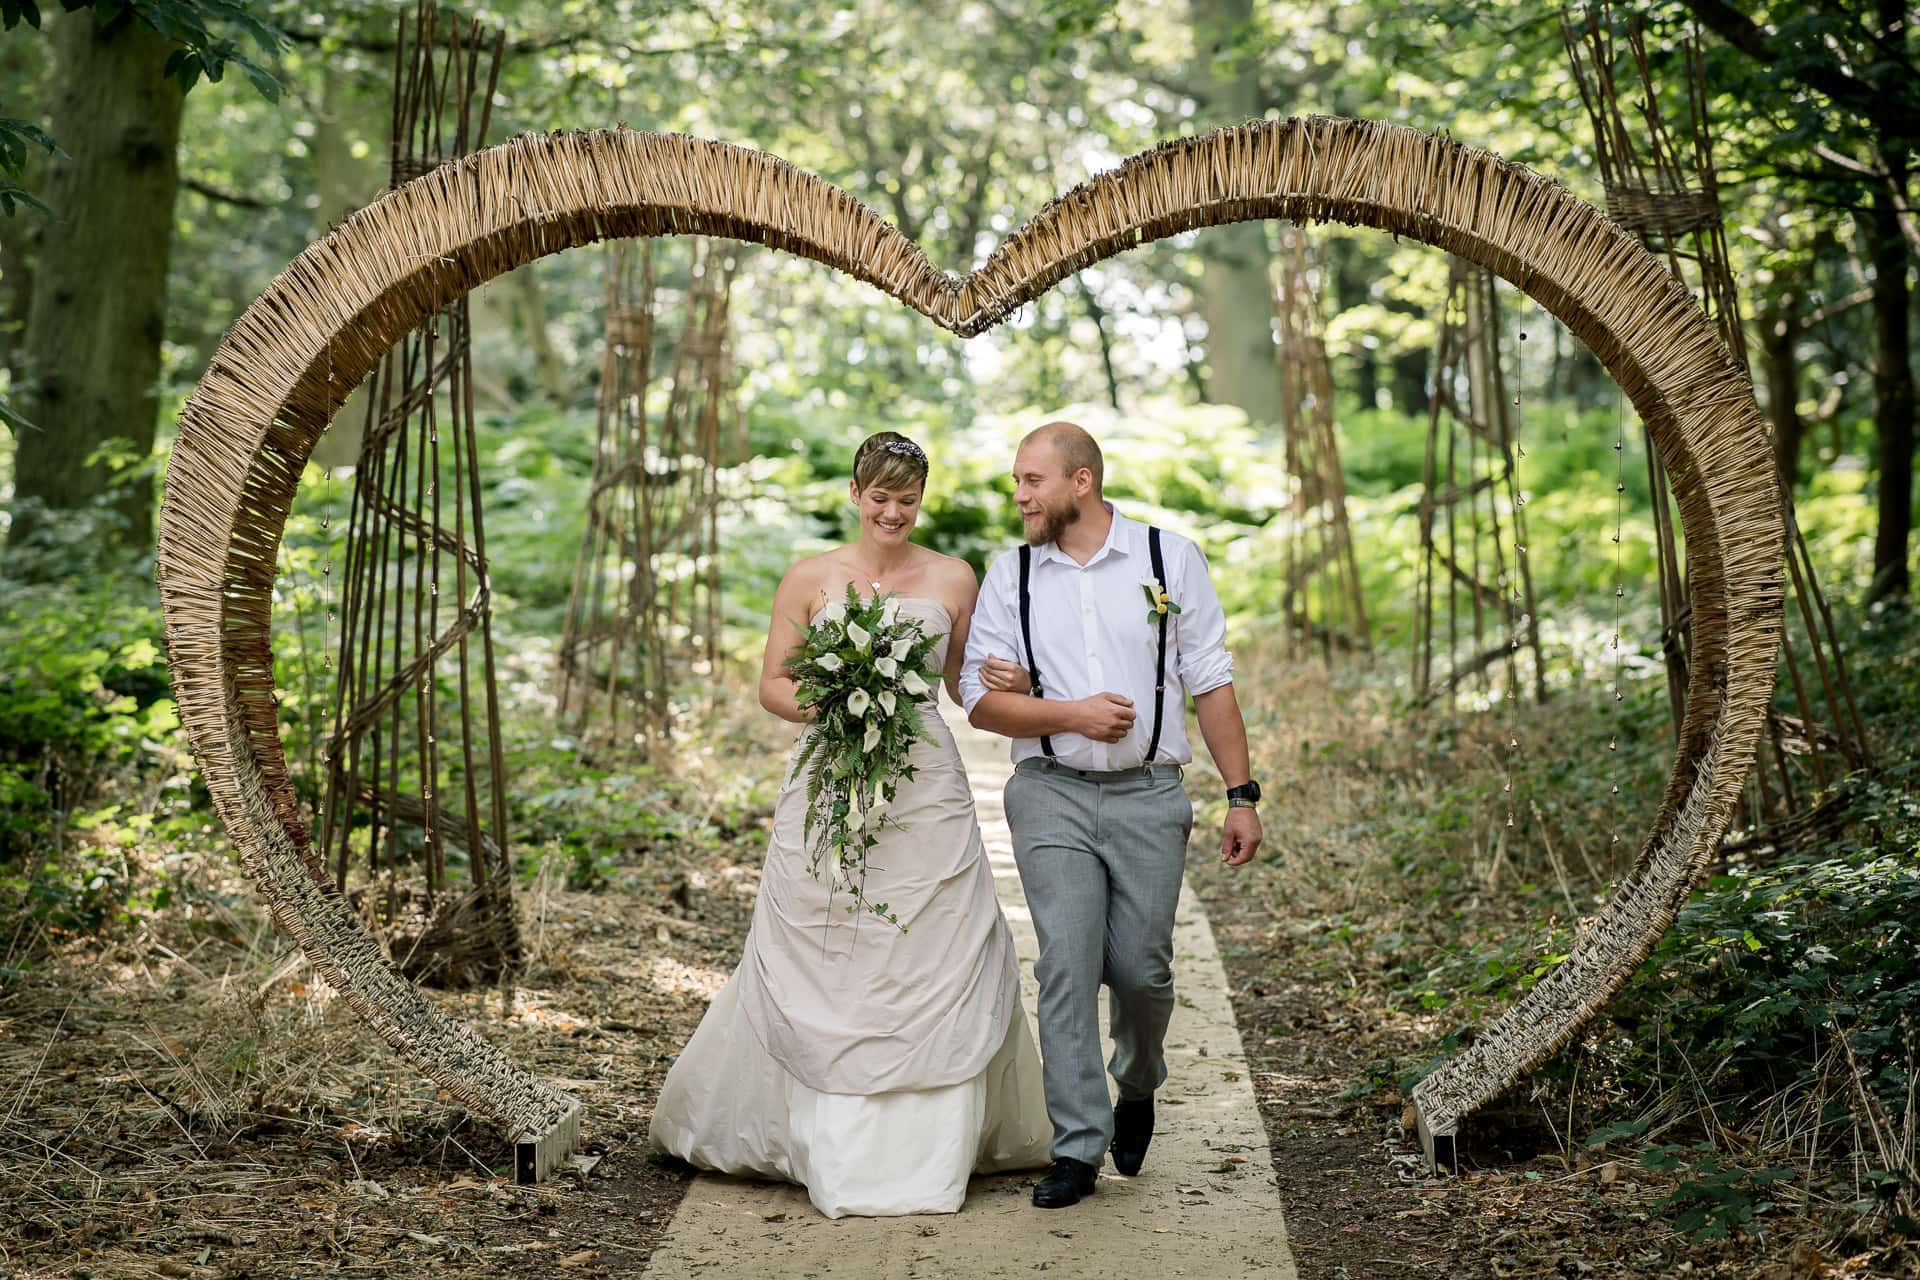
x,y
878,1068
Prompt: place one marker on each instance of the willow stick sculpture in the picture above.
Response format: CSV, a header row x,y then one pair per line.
x,y
1321,598
1468,414
413,821
288,361
1662,186
645,601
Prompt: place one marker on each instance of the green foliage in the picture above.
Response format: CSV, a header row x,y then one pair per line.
x,y
198,26
201,30
1768,966
15,137
91,753
1716,1197
597,816
1789,984
87,542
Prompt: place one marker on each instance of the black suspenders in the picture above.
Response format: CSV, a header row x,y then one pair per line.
x,y
1026,635
1160,663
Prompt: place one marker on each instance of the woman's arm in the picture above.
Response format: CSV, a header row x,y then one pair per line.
x,y
792,607
961,596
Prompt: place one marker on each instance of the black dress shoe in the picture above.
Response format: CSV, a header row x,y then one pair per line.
x,y
1065,1183
1132,1131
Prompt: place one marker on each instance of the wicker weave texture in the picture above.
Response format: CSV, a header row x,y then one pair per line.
x,y
287,363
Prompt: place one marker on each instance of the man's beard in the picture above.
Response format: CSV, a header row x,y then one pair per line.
x,y
1057,520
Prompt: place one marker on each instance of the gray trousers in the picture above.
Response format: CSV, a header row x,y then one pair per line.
x,y
1101,857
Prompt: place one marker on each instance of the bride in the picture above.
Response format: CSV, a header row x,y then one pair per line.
x,y
878,1066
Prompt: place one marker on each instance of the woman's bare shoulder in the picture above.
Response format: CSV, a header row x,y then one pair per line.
x,y
952,569
812,572
954,582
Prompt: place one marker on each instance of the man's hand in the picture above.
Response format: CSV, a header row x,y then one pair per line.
x,y
1105,717
1240,838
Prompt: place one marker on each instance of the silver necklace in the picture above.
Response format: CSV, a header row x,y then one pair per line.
x,y
872,582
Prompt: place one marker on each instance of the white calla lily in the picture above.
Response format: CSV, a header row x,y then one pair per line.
x,y
913,684
901,648
872,739
860,636
890,611
887,667
858,702
886,701
829,662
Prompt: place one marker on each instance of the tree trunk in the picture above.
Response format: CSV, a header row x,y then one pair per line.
x,y
1366,375
91,352
1236,297
1892,394
1780,356
1352,280
345,182
1407,378
1098,314
529,301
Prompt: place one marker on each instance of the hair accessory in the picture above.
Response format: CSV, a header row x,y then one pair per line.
x,y
906,449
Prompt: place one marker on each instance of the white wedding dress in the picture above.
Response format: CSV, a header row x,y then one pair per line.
x,y
876,1067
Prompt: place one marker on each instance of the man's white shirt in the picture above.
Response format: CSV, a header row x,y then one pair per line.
x,y
1091,634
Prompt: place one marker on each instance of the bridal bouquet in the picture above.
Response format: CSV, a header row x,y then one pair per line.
x,y
862,674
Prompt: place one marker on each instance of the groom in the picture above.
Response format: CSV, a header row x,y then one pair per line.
x,y
1100,819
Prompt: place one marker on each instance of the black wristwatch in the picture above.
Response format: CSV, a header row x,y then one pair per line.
x,y
1244,796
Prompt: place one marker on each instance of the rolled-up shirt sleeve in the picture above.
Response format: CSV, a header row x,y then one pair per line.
x,y
1204,662
994,630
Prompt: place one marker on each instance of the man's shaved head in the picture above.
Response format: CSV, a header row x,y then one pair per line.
x,y
1073,446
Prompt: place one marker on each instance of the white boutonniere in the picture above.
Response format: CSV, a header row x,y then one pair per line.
x,y
1159,603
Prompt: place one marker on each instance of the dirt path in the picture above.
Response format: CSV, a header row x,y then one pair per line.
x,y
1206,1204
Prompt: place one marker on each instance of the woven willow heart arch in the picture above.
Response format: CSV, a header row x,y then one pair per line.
x,y
284,368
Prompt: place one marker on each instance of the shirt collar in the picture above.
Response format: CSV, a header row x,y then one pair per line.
x,y
1122,539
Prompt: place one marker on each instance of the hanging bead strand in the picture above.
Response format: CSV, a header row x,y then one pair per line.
x,y
1516,600
1619,597
326,563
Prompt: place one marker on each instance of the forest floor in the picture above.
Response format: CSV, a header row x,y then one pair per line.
x,y
1322,1035
187,1100
190,1101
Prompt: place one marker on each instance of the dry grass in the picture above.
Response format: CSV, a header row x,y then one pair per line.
x,y
1390,868
187,1099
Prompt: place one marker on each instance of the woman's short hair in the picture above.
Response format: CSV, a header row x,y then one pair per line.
x,y
889,460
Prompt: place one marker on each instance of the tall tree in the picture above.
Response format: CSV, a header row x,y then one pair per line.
x,y
1236,297
1856,58
90,357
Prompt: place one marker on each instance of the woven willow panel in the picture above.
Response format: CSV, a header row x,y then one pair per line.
x,y
290,359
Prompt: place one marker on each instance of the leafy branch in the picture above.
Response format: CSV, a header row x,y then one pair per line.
x,y
201,29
